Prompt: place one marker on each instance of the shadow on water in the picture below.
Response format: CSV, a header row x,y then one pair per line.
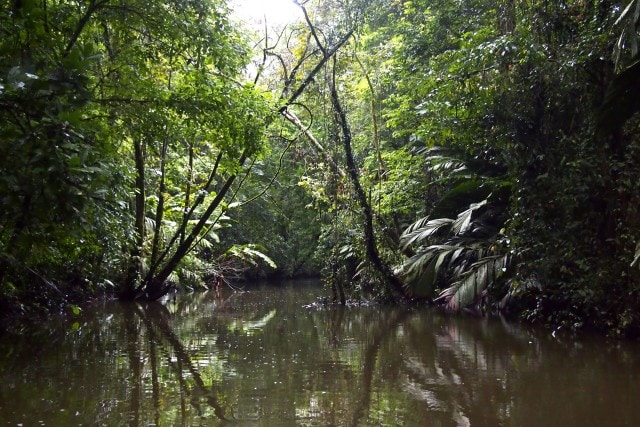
x,y
266,358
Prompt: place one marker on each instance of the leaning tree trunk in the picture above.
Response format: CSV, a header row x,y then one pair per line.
x,y
371,248
154,286
369,234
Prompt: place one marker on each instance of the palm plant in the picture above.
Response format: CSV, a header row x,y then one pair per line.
x,y
461,256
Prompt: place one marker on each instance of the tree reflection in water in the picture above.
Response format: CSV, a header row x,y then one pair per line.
x,y
262,358
156,318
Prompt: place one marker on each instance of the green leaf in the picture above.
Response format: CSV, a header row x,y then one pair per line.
x,y
474,281
463,222
420,231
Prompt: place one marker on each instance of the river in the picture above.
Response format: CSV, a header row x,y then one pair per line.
x,y
265,357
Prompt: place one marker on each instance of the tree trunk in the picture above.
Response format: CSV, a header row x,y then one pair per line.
x,y
369,234
187,194
135,266
154,286
160,208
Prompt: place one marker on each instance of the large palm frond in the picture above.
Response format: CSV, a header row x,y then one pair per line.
x,y
456,250
423,229
421,270
459,258
462,265
474,282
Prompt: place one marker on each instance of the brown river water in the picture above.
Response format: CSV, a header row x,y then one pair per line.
x,y
265,358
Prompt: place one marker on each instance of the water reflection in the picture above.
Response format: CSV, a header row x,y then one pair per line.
x,y
262,358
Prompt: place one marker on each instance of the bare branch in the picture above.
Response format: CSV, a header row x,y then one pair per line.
x,y
312,27
310,77
293,119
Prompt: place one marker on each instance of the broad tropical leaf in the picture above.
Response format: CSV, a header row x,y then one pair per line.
x,y
417,234
636,258
629,36
421,271
460,196
463,222
470,287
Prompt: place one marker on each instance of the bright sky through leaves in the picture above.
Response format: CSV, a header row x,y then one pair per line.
x,y
277,12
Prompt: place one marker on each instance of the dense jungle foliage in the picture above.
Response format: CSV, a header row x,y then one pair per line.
x,y
478,155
